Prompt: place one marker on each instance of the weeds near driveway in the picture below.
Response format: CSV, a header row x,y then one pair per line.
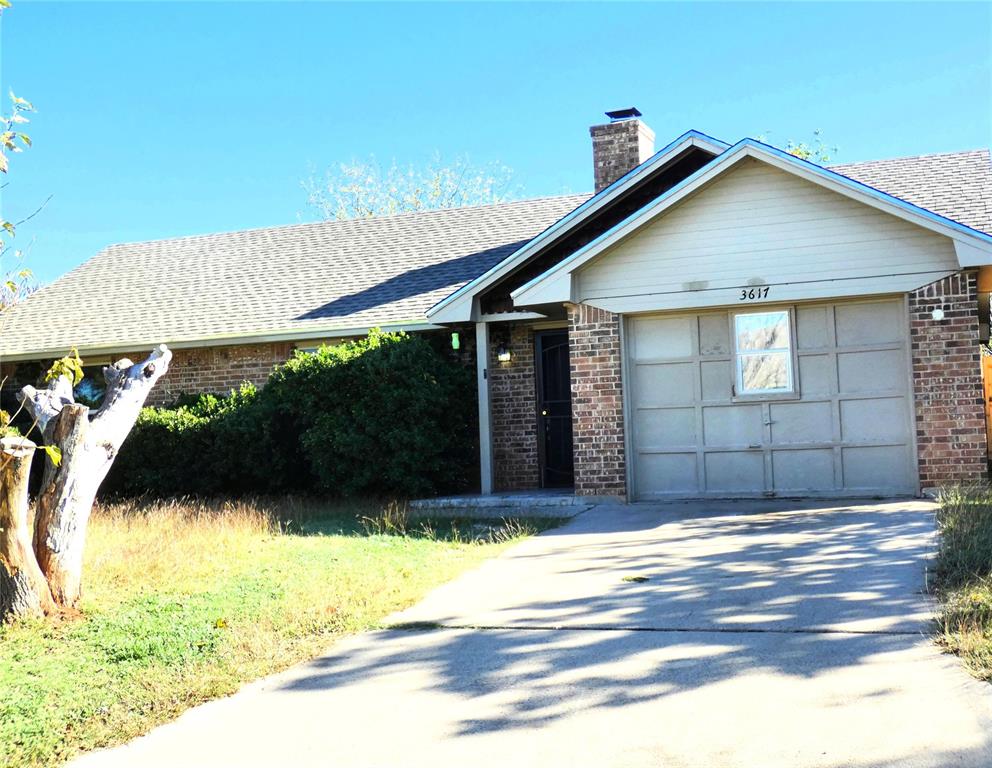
x,y
185,600
964,576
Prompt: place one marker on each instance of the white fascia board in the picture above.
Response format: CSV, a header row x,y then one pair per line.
x,y
972,255
976,242
509,317
458,306
556,289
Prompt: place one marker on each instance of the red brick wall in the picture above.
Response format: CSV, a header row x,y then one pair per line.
x,y
513,403
217,369
597,402
208,369
947,379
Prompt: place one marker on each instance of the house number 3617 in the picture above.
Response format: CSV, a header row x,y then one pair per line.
x,y
753,294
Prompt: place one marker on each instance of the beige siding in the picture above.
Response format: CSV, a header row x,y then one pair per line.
x,y
759,226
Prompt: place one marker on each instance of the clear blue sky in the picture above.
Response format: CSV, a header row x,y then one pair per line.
x,y
164,119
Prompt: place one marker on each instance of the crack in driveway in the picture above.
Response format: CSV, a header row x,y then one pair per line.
x,y
417,626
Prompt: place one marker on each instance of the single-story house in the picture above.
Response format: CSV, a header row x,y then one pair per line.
x,y
715,320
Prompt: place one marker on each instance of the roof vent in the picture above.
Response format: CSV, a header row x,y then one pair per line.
x,y
623,114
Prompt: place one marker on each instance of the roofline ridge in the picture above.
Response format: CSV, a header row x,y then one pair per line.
x,y
924,156
326,222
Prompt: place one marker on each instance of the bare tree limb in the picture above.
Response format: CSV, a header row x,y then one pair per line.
x,y
44,405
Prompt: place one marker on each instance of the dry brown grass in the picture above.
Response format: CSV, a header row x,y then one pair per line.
x,y
185,600
140,545
964,576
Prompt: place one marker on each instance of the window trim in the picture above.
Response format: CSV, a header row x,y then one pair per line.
x,y
792,393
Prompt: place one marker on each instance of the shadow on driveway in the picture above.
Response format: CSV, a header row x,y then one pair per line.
x,y
753,635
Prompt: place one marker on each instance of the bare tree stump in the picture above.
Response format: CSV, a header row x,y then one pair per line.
x,y
88,444
67,495
24,590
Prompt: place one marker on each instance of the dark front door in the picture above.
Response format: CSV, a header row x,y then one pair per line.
x,y
554,409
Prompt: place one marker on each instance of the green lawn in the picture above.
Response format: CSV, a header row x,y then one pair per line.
x,y
964,577
185,601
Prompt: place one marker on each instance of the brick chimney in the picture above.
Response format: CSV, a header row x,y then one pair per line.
x,y
619,146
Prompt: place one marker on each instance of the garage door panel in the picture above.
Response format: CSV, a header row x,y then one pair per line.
x,y
717,380
666,473
803,470
732,425
714,335
737,471
800,422
665,384
878,420
847,430
876,467
666,428
660,338
861,324
877,371
812,328
817,375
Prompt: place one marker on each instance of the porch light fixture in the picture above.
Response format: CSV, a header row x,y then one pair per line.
x,y
456,342
503,353
937,314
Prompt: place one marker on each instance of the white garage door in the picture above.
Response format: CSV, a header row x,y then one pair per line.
x,y
789,401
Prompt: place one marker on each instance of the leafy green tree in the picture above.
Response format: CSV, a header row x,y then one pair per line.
x,y
15,279
814,150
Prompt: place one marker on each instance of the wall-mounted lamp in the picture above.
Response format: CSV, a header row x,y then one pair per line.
x,y
937,314
456,342
503,353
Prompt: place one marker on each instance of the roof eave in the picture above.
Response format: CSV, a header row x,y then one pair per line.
x,y
221,340
460,307
975,246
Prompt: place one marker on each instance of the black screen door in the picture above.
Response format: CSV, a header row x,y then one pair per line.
x,y
554,409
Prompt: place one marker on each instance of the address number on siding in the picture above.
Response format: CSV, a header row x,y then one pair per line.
x,y
753,294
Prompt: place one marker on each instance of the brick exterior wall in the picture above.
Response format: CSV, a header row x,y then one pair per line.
x,y
947,382
597,402
206,369
618,148
217,369
513,404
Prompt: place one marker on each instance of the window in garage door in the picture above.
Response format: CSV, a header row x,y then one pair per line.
x,y
763,353
830,417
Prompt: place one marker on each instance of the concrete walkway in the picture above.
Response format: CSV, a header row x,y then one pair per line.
x,y
747,634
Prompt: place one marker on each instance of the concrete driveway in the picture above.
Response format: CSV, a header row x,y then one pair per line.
x,y
705,634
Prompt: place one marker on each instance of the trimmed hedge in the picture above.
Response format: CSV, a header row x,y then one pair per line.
x,y
387,415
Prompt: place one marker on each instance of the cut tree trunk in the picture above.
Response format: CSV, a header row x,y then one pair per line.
x,y
88,444
67,495
24,590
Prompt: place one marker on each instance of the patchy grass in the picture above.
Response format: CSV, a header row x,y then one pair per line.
x,y
964,576
185,601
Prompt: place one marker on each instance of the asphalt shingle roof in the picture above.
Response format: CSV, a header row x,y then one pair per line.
x,y
305,277
338,275
957,185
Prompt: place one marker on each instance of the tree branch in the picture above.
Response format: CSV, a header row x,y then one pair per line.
x,y
44,405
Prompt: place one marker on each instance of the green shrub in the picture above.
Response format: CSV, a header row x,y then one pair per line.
x,y
387,415
389,419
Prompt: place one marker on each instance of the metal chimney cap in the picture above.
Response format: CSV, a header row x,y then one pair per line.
x,y
623,114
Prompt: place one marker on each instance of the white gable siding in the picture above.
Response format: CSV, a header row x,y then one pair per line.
x,y
759,226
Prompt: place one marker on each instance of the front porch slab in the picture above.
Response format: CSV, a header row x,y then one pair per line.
x,y
537,503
